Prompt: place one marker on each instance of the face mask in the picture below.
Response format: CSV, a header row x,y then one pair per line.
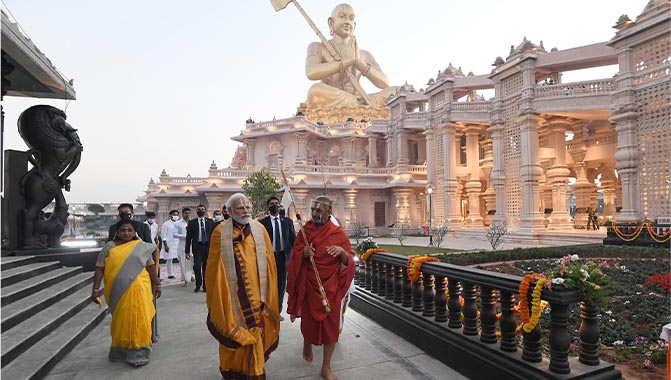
x,y
150,221
218,218
274,209
227,216
174,218
124,215
200,213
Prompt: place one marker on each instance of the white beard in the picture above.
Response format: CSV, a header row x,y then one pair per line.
x,y
242,220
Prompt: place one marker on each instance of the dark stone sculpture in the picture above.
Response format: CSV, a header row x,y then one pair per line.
x,y
55,152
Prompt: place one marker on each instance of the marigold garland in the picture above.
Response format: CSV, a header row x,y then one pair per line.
x,y
524,297
659,238
370,252
536,307
414,268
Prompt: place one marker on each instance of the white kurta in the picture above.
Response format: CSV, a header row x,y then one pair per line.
x,y
186,266
173,243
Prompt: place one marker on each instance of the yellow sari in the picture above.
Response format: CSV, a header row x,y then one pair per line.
x,y
128,293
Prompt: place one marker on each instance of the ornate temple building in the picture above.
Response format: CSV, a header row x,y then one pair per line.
x,y
535,157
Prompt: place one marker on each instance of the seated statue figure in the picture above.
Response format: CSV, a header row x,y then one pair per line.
x,y
335,90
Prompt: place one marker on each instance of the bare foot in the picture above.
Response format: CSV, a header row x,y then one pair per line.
x,y
328,374
307,352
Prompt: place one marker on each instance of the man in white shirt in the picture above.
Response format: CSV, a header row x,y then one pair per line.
x,y
180,234
153,227
170,243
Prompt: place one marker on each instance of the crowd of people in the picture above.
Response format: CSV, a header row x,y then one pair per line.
x,y
245,267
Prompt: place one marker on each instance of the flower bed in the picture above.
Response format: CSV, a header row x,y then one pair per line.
x,y
636,306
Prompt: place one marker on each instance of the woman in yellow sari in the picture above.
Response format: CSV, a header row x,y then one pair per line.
x,y
128,268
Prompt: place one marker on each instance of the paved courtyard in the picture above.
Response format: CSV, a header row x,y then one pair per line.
x,y
187,351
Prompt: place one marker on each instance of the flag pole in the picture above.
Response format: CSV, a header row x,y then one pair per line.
x,y
322,292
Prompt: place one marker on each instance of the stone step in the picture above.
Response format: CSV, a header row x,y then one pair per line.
x,y
9,262
25,288
18,311
30,331
24,272
38,360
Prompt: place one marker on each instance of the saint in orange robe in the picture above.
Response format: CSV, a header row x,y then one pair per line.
x,y
318,326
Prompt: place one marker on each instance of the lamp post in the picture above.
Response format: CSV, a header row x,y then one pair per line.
x,y
430,190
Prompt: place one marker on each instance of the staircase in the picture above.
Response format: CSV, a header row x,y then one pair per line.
x,y
46,311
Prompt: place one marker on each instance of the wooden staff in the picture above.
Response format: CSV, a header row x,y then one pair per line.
x,y
322,292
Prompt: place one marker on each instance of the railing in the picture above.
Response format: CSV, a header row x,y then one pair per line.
x,y
472,106
448,295
576,88
652,73
341,169
422,115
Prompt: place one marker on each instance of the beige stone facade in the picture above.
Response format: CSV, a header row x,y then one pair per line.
x,y
522,158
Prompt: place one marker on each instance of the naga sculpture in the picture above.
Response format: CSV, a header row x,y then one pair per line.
x,y
54,151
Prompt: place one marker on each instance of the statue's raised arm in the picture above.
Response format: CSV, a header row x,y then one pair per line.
x,y
334,90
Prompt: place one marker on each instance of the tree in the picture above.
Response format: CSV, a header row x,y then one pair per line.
x,y
438,234
358,231
401,234
95,208
258,187
495,234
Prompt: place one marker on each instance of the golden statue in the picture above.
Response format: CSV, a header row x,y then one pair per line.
x,y
341,65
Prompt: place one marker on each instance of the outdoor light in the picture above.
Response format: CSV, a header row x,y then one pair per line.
x,y
430,190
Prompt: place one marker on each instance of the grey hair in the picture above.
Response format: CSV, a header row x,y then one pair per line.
x,y
233,198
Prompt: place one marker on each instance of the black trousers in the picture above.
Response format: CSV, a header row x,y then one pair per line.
x,y
281,262
199,263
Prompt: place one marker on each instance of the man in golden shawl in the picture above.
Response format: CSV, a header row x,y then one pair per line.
x,y
242,300
329,247
129,270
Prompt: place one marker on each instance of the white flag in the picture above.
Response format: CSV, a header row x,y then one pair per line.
x,y
287,198
279,4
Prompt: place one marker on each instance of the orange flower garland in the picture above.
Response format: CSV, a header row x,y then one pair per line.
x,y
370,252
536,306
415,266
524,297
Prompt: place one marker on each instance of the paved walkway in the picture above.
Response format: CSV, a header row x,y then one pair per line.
x,y
187,351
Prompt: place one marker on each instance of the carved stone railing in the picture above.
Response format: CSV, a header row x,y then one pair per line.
x,y
472,106
451,312
574,88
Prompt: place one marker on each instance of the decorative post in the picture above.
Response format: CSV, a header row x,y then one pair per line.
x,y
589,334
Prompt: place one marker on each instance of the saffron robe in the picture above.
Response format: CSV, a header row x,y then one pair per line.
x,y
128,293
242,301
305,301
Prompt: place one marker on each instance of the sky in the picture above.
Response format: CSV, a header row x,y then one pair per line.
x,y
166,84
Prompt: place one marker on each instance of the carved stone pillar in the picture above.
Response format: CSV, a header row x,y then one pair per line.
x,y
301,148
350,207
402,148
402,205
421,151
557,178
430,162
163,210
215,201
473,185
627,158
301,201
608,202
530,173
251,151
451,185
372,152
389,141
350,143
498,177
